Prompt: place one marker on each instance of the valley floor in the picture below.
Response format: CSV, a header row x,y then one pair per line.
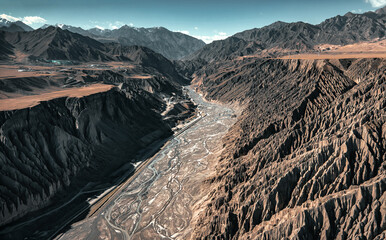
x,y
159,202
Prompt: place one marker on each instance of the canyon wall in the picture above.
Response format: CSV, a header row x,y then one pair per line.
x,y
67,141
306,158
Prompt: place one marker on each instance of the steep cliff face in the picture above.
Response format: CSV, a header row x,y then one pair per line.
x,y
306,159
44,148
71,141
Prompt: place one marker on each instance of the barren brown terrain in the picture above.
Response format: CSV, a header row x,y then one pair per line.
x,y
371,49
336,55
368,46
33,100
18,71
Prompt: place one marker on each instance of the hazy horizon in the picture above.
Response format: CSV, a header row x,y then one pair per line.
x,y
206,20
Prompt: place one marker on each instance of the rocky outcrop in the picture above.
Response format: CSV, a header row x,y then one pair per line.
x,y
306,159
5,48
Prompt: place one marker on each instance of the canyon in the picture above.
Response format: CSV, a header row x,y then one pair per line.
x,y
276,132
68,128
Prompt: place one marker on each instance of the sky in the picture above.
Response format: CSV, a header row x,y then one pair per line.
x,y
205,19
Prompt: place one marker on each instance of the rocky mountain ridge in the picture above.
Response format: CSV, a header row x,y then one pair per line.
x,y
172,45
59,44
281,37
17,26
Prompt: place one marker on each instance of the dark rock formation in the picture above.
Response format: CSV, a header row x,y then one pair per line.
x,y
12,28
44,149
6,49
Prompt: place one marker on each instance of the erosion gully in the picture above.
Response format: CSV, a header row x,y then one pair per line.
x,y
157,204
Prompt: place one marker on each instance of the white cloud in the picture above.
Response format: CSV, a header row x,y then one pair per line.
x,y
357,11
131,24
377,3
118,23
115,25
99,27
27,20
182,31
9,18
209,39
195,28
205,38
33,19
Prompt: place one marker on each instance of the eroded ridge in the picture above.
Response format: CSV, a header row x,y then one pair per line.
x,y
306,159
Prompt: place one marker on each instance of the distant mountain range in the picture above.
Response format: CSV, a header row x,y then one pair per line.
x,y
173,45
18,26
298,36
54,43
74,43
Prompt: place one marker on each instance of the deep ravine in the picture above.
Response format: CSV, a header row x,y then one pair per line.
x,y
158,203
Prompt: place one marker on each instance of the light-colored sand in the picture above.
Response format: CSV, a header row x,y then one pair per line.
x,y
28,70
141,76
364,47
19,71
120,65
335,56
33,100
371,49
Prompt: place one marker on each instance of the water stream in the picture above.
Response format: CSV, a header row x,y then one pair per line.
x,y
158,203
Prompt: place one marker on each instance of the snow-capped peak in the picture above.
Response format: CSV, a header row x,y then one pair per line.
x,y
4,22
8,18
99,27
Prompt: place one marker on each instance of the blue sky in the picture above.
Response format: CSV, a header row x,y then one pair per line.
x,y
206,19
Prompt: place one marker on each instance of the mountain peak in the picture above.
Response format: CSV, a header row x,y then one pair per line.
x,y
349,14
381,11
14,26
